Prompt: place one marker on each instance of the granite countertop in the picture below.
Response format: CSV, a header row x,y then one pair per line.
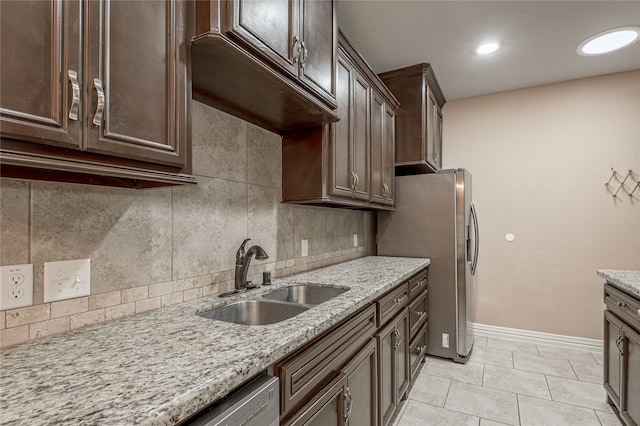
x,y
159,367
628,281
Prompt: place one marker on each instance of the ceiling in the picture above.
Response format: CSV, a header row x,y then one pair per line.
x,y
538,39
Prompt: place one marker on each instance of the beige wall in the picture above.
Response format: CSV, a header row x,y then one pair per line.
x,y
157,247
539,158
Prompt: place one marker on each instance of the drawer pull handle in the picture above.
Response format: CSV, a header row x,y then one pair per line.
x,y
397,300
419,349
97,118
75,99
421,314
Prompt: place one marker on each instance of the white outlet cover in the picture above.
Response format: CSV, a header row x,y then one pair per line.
x,y
67,279
305,248
355,240
16,286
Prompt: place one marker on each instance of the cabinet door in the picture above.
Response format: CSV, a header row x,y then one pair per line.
x,y
269,28
430,116
612,365
326,409
386,373
136,83
40,53
393,367
377,148
318,55
362,387
341,133
437,135
360,145
630,409
388,159
402,353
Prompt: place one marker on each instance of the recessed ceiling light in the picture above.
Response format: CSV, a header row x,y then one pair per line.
x,y
609,41
488,47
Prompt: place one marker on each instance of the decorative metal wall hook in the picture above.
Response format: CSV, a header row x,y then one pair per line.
x,y
614,184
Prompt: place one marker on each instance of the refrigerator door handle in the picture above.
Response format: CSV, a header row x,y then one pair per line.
x,y
477,236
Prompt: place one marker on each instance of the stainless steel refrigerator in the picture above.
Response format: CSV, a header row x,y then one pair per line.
x,y
435,218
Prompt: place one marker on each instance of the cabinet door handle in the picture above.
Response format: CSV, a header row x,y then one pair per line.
x,y
97,118
348,404
75,99
357,179
353,180
419,349
398,339
295,49
304,52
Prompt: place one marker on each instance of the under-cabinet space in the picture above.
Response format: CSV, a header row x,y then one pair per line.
x,y
94,110
270,63
418,120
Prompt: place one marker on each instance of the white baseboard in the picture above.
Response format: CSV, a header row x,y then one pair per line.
x,y
536,337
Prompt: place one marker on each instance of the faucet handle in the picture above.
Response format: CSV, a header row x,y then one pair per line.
x,y
240,253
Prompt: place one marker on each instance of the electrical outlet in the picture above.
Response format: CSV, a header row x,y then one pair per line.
x,y
305,248
16,286
445,340
355,240
67,279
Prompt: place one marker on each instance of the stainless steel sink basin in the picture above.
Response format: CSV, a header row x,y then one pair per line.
x,y
254,312
305,294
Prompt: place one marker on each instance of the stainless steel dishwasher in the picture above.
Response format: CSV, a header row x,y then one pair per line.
x,y
256,403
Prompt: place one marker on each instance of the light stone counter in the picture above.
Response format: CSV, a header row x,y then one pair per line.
x,y
159,367
628,281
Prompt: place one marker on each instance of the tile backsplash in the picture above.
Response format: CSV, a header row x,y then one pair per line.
x,y
157,247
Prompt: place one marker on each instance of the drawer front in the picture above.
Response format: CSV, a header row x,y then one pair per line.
x,y
624,306
418,284
418,313
392,303
304,372
418,350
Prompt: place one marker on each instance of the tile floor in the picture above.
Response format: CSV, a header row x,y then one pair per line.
x,y
510,383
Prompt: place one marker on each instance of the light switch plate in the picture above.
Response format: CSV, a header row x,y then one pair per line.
x,y
16,286
67,279
305,248
355,240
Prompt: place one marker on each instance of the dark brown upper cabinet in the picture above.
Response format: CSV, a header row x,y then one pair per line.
x,y
271,63
418,120
95,92
348,163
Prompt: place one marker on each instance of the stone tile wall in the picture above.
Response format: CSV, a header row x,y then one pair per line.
x,y
157,247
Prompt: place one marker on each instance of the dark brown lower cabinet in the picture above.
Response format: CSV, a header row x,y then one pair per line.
x,y
356,373
326,409
418,350
362,387
393,346
622,354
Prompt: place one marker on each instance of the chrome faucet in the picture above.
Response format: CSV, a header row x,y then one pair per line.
x,y
242,264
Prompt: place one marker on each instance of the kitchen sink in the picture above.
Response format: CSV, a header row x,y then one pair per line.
x,y
254,312
305,294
